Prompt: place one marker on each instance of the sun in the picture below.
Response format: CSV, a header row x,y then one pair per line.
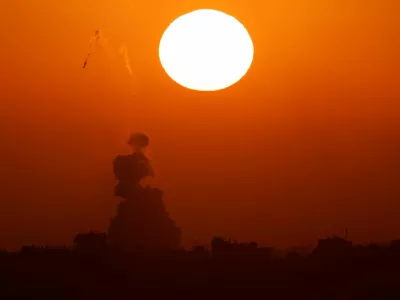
x,y
206,50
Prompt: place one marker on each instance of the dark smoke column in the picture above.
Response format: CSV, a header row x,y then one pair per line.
x,y
142,220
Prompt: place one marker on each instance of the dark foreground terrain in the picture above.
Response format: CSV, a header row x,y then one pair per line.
x,y
336,269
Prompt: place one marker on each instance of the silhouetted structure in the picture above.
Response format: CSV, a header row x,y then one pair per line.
x,y
48,250
91,242
222,248
332,246
395,245
142,220
233,270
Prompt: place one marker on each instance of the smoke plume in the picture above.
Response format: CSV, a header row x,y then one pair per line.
x,y
124,51
138,141
98,40
93,40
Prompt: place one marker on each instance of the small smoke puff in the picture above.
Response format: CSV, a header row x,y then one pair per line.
x,y
138,141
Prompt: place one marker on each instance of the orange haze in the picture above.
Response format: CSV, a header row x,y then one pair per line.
x,y
307,144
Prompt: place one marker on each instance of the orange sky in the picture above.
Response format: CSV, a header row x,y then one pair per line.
x,y
305,145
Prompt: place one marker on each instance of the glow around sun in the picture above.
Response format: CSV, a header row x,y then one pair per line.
x,y
206,50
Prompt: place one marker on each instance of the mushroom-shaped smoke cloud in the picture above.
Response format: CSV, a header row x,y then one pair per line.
x,y
138,141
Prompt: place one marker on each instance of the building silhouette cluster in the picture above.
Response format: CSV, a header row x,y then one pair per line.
x,y
94,269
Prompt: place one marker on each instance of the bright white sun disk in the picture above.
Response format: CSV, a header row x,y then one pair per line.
x,y
206,50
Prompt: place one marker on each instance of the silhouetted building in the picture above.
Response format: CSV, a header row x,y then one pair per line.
x,y
332,246
226,249
395,245
49,250
91,242
293,256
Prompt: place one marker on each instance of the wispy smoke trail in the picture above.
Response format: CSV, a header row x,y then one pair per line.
x,y
99,40
124,51
93,39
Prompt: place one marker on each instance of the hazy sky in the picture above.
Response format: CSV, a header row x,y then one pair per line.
x,y
304,146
